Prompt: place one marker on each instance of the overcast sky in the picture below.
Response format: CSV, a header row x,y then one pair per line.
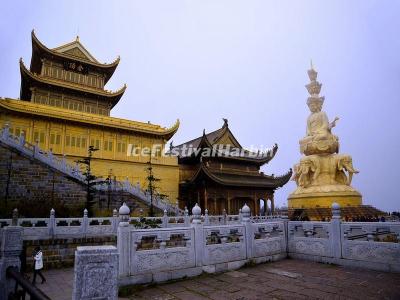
x,y
201,61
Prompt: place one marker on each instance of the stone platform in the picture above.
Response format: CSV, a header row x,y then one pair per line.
x,y
286,279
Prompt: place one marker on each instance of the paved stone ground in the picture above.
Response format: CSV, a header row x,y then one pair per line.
x,y
286,279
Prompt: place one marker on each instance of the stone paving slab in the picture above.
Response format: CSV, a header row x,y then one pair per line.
x,y
286,279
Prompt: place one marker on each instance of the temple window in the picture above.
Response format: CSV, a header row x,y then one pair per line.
x,y
108,145
121,147
40,137
95,143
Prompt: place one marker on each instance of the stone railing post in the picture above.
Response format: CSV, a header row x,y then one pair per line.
x,y
240,215
124,241
52,223
206,218
115,221
165,219
96,273
186,217
336,241
85,222
198,234
224,216
14,220
6,132
22,140
10,251
36,149
248,230
285,221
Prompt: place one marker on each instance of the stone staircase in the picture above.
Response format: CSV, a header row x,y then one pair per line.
x,y
70,170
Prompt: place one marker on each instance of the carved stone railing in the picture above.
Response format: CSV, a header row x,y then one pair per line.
x,y
362,244
52,227
162,254
136,191
372,242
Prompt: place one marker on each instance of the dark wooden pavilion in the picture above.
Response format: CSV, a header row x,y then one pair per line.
x,y
218,173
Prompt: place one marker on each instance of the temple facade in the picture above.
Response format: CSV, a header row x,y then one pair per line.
x,y
65,107
219,174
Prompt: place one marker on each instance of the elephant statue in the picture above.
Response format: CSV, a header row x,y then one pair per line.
x,y
344,163
306,171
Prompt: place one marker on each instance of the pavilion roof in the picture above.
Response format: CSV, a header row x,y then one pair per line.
x,y
30,79
220,137
240,179
73,51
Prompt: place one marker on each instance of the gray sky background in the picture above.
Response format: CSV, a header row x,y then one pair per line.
x,y
200,61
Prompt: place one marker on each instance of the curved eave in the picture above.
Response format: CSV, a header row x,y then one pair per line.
x,y
86,118
39,48
259,161
112,97
270,182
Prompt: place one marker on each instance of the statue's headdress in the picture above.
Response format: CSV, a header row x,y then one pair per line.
x,y
314,87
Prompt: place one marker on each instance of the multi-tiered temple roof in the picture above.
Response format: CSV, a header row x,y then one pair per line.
x,y
67,83
228,163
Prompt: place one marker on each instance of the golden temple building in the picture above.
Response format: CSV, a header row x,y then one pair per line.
x,y
219,174
64,107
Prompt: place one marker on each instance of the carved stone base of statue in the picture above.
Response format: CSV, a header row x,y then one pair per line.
x,y
328,145
322,180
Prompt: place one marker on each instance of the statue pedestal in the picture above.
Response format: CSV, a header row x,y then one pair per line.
x,y
322,180
324,199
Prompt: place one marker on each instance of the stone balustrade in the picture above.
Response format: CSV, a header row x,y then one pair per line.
x,y
52,227
368,245
160,254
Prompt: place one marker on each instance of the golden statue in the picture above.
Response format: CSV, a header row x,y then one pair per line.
x,y
322,176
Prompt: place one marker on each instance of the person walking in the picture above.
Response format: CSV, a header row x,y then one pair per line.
x,y
38,257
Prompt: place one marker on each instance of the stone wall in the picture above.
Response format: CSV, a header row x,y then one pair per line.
x,y
32,180
60,253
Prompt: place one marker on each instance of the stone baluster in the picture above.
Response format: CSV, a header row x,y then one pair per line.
x,y
198,234
165,219
52,223
186,218
224,215
36,149
246,212
206,218
115,221
14,220
64,162
336,241
22,140
124,240
85,222
5,132
10,251
50,157
285,221
240,215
